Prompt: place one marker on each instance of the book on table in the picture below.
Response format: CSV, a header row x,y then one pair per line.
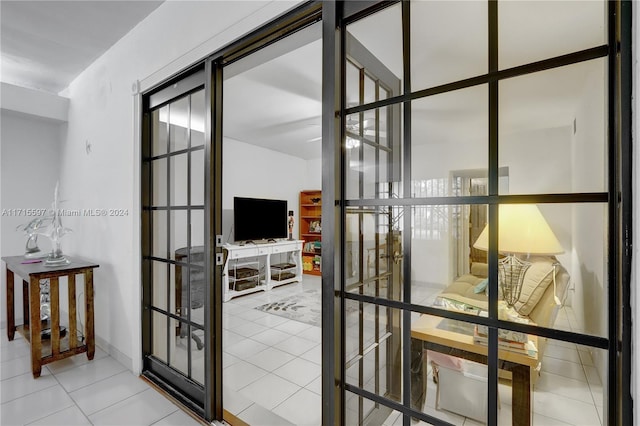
x,y
519,345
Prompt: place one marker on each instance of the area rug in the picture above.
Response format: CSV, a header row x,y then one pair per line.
x,y
304,307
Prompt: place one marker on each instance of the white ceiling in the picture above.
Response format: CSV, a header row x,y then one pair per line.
x,y
45,44
273,97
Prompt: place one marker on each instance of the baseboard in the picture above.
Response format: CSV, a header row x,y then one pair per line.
x,y
100,342
114,353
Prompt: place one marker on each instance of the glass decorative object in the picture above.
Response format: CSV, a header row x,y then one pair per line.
x,y
31,229
51,227
56,232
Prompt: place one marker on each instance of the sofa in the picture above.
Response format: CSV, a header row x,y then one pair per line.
x,y
537,300
538,303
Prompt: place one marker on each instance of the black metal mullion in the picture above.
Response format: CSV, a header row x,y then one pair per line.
x,y
333,213
612,403
545,64
188,154
406,231
175,153
551,333
377,242
492,356
626,180
361,246
168,253
595,197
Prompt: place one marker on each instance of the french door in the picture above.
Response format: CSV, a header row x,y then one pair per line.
x,y
472,98
180,320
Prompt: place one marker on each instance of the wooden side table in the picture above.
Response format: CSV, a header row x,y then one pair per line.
x,y
57,347
427,329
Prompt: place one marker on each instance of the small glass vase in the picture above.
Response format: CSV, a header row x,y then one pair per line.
x,y
56,257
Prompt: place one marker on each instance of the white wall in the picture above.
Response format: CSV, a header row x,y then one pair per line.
x,y
34,102
104,113
588,273
313,177
256,172
538,161
30,165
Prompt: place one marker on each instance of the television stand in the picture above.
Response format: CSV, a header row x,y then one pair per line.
x,y
276,272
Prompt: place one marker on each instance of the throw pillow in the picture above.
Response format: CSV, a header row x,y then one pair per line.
x,y
536,280
480,269
481,287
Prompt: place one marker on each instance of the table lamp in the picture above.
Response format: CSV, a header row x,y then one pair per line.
x,y
522,230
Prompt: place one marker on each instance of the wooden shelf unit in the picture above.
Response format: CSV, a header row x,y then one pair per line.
x,y
310,227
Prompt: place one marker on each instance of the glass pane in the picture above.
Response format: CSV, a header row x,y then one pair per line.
x,y
449,384
383,93
198,112
179,123
374,357
534,30
369,90
369,165
389,127
178,224
179,349
393,419
197,234
370,181
554,270
570,385
159,184
449,138
446,270
178,180
189,293
159,119
553,130
197,354
358,408
370,265
375,43
448,41
354,168
353,84
159,285
159,234
197,177
159,334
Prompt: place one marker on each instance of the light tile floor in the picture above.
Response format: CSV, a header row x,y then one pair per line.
x,y
74,391
272,369
272,365
271,378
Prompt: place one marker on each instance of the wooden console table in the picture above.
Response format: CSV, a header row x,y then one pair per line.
x,y
57,347
265,251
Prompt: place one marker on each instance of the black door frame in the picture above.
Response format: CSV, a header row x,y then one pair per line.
x,y
280,27
187,391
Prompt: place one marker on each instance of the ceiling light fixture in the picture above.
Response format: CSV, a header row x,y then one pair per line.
x,y
352,143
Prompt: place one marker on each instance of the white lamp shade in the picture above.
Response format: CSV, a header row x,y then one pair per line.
x,y
521,229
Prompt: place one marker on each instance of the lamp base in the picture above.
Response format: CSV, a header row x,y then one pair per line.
x,y
511,272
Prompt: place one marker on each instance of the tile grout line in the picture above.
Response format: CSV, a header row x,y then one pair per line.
x,y
68,396
68,393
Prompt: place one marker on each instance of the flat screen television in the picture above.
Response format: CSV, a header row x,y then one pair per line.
x,y
259,219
